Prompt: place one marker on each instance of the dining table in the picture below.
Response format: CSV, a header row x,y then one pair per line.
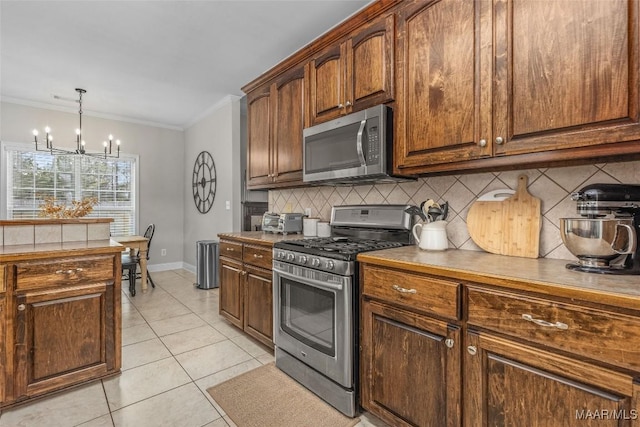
x,y
139,244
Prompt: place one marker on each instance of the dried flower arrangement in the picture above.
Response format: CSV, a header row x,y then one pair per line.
x,y
78,208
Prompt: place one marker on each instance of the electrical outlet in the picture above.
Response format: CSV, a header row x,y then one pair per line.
x,y
288,207
227,205
307,211
163,252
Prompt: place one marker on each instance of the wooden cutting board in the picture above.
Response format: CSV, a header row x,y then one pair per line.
x,y
507,227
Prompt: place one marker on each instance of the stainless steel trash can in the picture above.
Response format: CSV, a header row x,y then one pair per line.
x,y
207,264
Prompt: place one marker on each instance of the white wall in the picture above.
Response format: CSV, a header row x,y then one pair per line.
x,y
219,134
161,169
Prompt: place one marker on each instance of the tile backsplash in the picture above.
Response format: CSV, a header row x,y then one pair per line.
x,y
553,186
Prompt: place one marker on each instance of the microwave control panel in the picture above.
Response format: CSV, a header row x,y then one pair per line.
x,y
373,144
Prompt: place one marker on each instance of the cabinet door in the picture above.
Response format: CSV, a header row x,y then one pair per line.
x,y
511,384
326,84
566,74
259,137
442,105
258,305
409,374
60,338
370,57
3,342
231,292
288,105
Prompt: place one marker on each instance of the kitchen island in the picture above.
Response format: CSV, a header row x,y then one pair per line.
x,y
483,339
60,306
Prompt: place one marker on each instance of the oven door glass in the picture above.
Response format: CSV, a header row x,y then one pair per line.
x,y
308,314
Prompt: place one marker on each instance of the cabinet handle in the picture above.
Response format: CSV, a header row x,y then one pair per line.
x,y
348,103
449,342
482,143
21,307
257,256
472,350
499,140
540,322
70,271
230,249
404,290
340,105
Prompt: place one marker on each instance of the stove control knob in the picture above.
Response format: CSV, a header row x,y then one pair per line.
x,y
302,259
315,262
291,257
330,265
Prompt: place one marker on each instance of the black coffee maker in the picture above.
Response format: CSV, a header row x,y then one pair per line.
x,y
606,239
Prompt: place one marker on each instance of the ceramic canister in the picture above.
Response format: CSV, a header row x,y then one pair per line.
x,y
324,229
309,227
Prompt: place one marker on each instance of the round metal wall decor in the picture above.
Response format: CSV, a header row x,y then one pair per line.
x,y
204,182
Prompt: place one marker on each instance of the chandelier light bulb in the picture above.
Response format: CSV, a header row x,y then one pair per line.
x,y
82,142
110,137
104,143
117,142
47,129
35,132
77,131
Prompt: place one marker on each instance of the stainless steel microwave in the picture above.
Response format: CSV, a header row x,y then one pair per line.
x,y
353,148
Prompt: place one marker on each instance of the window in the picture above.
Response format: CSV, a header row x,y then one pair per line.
x,y
32,176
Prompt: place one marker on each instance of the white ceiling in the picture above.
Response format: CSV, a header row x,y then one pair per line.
x,y
164,63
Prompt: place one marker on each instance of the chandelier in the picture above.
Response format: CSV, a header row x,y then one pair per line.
x,y
80,144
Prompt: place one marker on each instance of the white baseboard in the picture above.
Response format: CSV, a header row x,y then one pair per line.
x,y
189,267
168,266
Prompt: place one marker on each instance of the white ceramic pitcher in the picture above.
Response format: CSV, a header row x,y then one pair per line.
x,y
431,236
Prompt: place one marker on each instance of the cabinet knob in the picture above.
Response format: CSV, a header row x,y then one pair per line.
x,y
21,307
340,105
449,342
482,143
472,350
499,140
348,103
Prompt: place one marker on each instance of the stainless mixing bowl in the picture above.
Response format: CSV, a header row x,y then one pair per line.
x,y
600,238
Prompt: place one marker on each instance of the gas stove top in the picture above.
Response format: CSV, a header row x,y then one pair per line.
x,y
343,248
355,229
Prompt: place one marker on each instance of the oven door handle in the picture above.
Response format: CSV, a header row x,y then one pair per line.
x,y
313,282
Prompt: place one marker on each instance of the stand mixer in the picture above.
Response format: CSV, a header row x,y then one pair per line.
x,y
607,237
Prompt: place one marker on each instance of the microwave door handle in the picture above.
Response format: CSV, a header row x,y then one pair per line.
x,y
363,161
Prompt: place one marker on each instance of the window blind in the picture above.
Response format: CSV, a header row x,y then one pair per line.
x,y
34,176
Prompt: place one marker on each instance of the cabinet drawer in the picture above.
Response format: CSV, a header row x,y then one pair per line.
x,y
259,256
427,294
231,249
600,335
63,271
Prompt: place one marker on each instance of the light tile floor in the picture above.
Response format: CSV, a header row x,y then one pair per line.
x,y
174,347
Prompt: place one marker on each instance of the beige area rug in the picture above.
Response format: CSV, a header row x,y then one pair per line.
x,y
267,397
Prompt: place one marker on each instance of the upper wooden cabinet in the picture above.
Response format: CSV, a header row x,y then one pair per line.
x,y
441,107
515,82
355,74
275,117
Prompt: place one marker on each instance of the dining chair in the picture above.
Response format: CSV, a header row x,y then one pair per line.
x,y
130,263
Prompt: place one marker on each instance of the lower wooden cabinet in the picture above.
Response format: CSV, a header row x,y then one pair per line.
x,y
231,292
246,289
512,358
511,384
258,304
61,338
60,322
410,374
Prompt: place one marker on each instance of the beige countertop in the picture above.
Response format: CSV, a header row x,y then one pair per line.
x,y
543,276
259,238
48,250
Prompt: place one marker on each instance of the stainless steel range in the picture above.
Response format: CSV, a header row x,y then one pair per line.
x,y
316,298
